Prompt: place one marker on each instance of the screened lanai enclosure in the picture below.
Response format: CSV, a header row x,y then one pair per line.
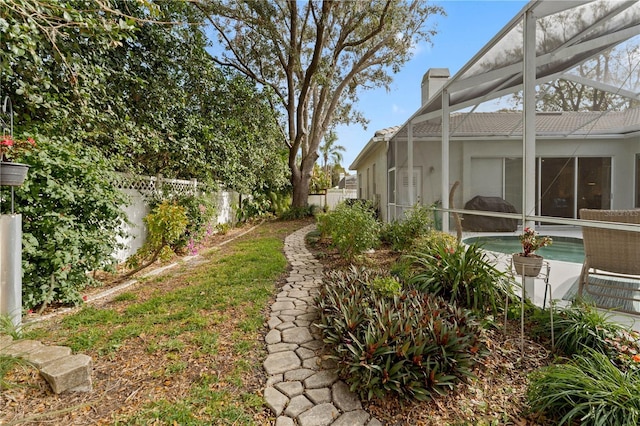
x,y
545,118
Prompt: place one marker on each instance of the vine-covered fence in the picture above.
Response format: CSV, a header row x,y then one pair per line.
x,y
140,188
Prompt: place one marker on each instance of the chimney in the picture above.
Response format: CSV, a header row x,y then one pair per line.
x,y
433,80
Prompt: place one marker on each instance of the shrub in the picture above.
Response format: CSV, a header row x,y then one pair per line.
x,y
400,235
200,211
589,390
71,217
460,274
256,206
412,345
432,241
352,229
385,286
294,213
165,225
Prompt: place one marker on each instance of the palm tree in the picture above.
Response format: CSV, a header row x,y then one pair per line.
x,y
329,150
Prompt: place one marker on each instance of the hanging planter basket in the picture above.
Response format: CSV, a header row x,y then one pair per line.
x,y
12,174
528,266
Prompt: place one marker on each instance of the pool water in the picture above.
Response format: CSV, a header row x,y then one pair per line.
x,y
566,249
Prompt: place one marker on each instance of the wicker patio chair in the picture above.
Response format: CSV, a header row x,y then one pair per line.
x,y
610,252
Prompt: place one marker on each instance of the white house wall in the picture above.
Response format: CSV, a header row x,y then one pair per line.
x,y
376,186
621,151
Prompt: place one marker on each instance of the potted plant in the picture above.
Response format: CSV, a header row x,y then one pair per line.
x,y
11,173
528,263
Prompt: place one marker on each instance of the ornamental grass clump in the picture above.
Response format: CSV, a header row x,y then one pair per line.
x,y
581,327
588,390
460,274
411,345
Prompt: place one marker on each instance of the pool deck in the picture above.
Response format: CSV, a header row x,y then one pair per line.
x,y
562,275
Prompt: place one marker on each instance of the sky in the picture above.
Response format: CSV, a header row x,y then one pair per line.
x,y
467,28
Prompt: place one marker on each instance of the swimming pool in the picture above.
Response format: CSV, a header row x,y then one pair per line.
x,y
566,249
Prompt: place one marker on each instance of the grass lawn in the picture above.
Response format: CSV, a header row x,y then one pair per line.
x,y
183,348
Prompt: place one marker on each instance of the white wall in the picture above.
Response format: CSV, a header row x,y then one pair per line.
x,y
376,186
137,208
332,198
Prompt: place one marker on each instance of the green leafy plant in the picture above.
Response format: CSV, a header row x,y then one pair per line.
x,y
254,207
589,390
401,234
352,228
299,212
165,225
386,286
411,345
461,274
200,210
425,244
71,220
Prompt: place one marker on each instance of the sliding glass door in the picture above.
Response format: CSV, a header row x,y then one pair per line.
x,y
564,185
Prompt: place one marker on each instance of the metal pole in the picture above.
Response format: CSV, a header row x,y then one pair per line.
x,y
528,146
410,163
11,267
445,159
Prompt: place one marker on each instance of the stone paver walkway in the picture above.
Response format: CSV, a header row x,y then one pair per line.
x,y
302,389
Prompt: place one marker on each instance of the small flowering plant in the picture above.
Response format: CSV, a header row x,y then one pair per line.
x,y
11,148
624,349
531,242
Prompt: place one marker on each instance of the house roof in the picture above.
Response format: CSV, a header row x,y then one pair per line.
x,y
506,124
380,136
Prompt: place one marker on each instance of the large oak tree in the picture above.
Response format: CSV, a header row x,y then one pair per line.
x,y
317,56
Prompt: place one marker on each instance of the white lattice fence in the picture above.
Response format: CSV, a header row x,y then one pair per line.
x,y
138,187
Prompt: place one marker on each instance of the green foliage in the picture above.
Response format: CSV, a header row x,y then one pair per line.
x,y
460,274
581,327
433,241
401,234
427,243
300,212
147,94
589,390
166,224
411,345
8,363
255,207
200,210
386,286
320,180
70,220
352,228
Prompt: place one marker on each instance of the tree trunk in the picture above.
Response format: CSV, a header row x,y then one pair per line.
x,y
301,179
300,189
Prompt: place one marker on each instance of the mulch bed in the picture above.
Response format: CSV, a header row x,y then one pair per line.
x,y
497,396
